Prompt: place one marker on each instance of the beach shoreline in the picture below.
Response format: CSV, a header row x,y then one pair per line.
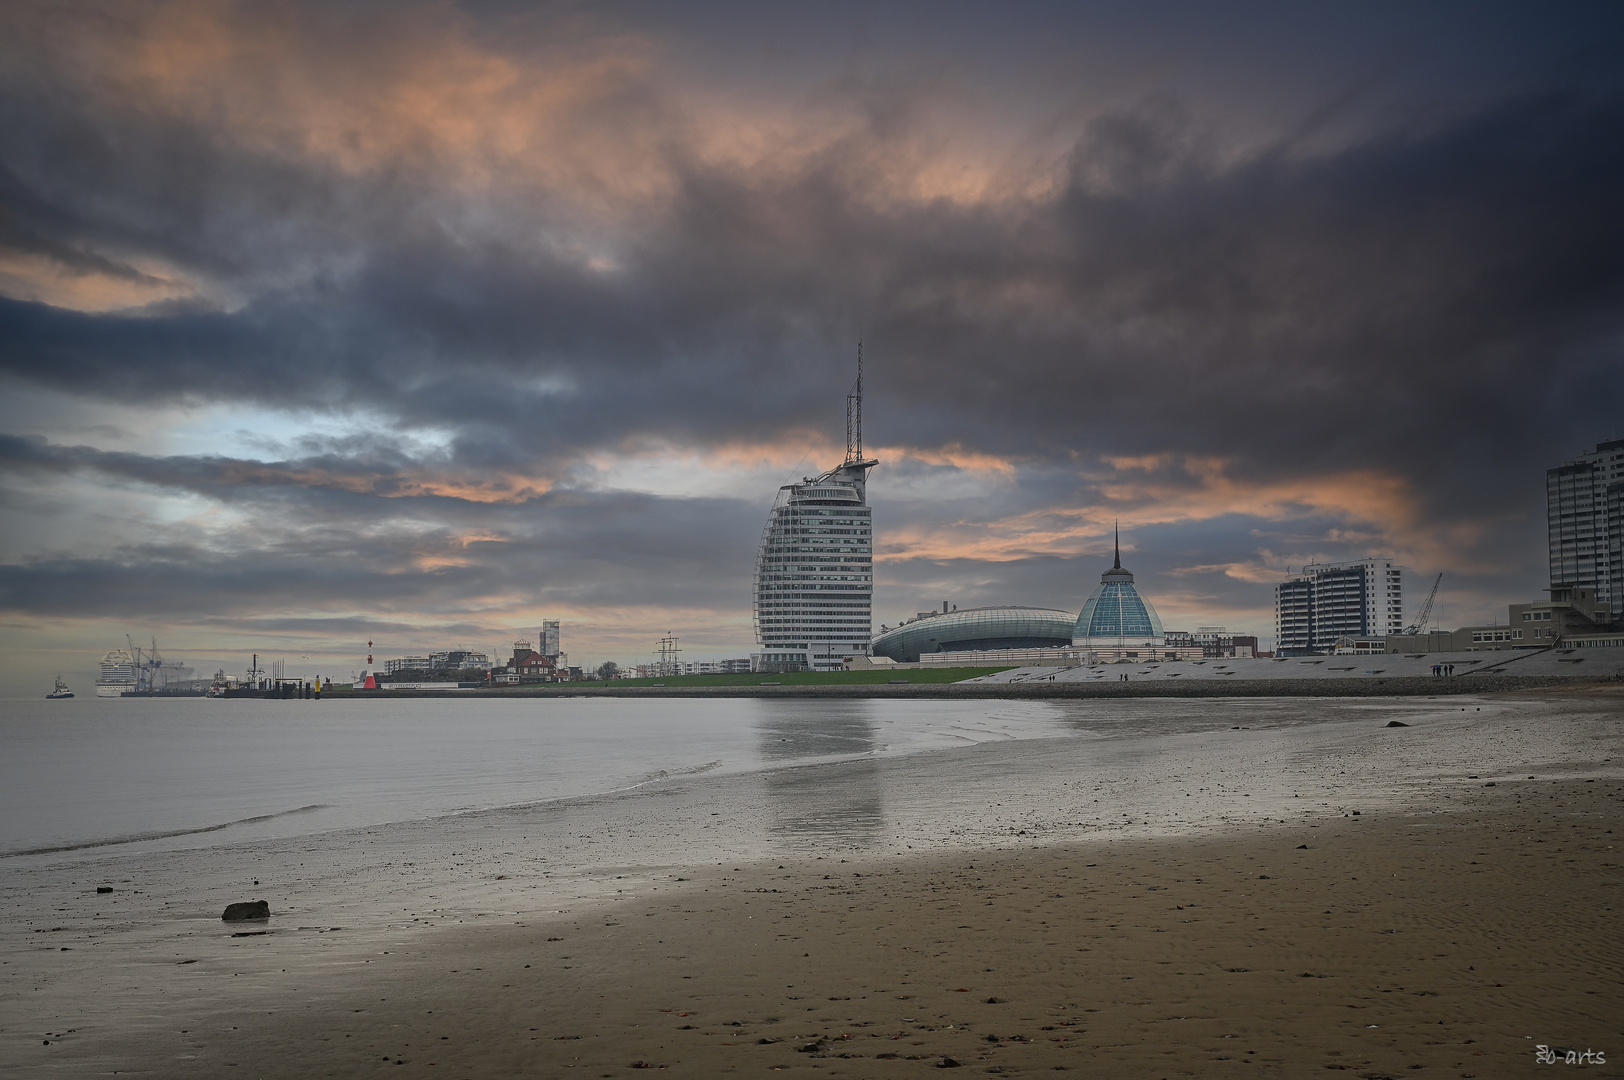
x,y
407,943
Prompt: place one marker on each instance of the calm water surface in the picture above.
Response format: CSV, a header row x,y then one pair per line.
x,y
92,774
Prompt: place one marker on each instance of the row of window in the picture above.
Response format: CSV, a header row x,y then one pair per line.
x,y
793,511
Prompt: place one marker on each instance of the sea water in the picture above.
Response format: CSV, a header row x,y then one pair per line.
x,y
98,773
91,776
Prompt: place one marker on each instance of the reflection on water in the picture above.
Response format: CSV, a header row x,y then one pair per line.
x,y
822,803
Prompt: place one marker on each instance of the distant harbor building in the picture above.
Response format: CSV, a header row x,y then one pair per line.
x,y
1118,624
442,664
814,581
1584,500
737,666
550,639
1215,642
986,629
1328,602
1573,618
526,665
117,674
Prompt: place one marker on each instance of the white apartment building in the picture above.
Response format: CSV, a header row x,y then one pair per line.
x,y
1331,601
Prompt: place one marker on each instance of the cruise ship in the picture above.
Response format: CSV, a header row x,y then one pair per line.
x,y
117,674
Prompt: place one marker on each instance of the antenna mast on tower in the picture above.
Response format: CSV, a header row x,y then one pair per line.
x,y
854,415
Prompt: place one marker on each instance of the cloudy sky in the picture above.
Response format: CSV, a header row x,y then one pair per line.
x,y
422,322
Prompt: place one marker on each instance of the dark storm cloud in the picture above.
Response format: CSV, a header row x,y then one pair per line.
x,y
1414,292
333,535
1432,296
576,556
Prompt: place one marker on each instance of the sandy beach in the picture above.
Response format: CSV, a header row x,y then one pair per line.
x,y
1306,889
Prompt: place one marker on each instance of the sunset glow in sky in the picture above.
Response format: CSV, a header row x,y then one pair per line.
x,y
422,322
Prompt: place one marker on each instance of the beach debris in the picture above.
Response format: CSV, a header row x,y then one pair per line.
x,y
104,888
949,1063
1302,847
248,909
996,1001
1397,723
810,1048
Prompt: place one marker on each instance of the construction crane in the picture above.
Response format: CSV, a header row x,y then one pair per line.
x,y
1420,623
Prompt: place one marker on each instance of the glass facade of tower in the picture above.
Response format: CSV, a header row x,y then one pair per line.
x,y
814,593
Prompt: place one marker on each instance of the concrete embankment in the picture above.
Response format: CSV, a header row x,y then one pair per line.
x,y
1413,686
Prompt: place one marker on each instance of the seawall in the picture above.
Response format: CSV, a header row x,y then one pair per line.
x,y
1406,686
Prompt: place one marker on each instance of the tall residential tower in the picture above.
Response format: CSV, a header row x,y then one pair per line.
x,y
1584,514
814,597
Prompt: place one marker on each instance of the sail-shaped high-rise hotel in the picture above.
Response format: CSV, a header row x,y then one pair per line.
x,y
815,570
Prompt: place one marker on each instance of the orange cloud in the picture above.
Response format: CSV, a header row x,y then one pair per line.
x,y
28,276
1175,491
485,488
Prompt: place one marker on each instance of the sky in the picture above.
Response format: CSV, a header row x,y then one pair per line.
x,y
420,323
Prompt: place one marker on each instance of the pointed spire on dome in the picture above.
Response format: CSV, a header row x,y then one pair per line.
x,y
1116,573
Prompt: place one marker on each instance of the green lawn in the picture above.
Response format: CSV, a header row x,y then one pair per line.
x,y
812,678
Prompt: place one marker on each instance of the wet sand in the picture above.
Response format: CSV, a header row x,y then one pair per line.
x,y
1463,916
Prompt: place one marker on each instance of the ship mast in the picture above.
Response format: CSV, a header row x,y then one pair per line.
x,y
854,415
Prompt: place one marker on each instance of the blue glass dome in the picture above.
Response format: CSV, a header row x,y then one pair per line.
x,y
1116,612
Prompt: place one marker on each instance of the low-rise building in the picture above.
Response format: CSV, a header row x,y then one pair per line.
x,y
1216,642
526,666
1570,616
1070,656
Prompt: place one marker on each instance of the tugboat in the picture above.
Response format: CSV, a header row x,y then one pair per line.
x,y
60,692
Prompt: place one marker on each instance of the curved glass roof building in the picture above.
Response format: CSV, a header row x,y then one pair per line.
x,y
976,629
1116,613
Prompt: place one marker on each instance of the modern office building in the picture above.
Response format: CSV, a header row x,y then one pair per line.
x,y
814,588
986,629
1331,601
550,639
1584,500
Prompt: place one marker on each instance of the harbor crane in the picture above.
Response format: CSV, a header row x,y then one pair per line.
x,y
1420,624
